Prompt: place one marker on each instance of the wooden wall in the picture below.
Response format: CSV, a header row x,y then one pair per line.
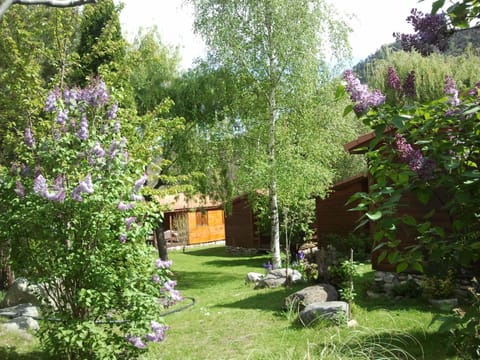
x,y
213,230
240,228
332,215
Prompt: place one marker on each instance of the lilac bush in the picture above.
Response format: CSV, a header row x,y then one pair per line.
x,y
79,225
429,151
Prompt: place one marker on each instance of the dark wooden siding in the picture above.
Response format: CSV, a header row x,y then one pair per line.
x,y
332,214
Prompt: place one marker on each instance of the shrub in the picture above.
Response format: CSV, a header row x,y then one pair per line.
x,y
74,210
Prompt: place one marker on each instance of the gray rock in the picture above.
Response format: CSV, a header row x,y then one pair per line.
x,y
309,295
277,277
21,323
19,293
19,310
322,311
253,277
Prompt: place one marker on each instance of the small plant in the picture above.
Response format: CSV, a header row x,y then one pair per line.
x,y
408,289
436,287
308,269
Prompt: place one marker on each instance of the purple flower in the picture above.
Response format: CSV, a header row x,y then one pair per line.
x,y
409,89
98,151
83,131
122,238
96,94
51,101
19,189
169,285
140,182
58,196
393,80
129,221
85,186
123,206
474,90
40,185
156,278
450,89
71,96
29,140
112,112
424,167
116,127
163,264
301,255
359,93
158,333
113,149
136,341
62,117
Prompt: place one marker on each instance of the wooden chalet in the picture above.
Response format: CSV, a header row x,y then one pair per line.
x,y
192,220
241,229
332,215
410,205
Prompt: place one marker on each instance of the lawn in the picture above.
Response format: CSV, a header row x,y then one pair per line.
x,y
222,317
232,320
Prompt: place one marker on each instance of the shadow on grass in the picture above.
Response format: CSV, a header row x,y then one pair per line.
x,y
10,353
236,261
202,279
220,251
265,299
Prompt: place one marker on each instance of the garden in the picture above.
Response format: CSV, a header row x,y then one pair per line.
x,y
83,165
223,317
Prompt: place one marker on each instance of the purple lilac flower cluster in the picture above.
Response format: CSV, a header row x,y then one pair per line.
x,y
451,91
84,187
360,95
424,167
431,33
40,187
157,334
406,89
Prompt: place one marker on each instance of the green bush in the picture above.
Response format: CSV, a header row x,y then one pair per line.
x,y
361,245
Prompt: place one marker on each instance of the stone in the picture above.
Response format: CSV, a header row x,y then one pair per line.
x,y
309,295
21,323
317,311
253,277
22,317
19,293
19,310
277,277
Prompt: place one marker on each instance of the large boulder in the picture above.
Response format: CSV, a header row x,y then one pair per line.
x,y
331,310
309,295
278,277
20,292
21,317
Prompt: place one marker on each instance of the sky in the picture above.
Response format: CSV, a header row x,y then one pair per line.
x,y
373,23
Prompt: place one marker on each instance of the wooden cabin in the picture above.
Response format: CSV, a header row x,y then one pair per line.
x,y
332,215
410,206
241,229
192,220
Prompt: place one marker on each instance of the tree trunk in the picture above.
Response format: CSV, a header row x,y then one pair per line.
x,y
161,242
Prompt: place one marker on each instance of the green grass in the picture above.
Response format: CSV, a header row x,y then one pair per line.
x,y
231,320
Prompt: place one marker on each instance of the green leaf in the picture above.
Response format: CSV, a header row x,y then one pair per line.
x,y
409,220
374,216
402,267
382,256
348,109
417,266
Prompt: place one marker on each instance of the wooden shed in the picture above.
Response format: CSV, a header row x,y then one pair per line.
x,y
410,206
241,229
332,215
192,220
